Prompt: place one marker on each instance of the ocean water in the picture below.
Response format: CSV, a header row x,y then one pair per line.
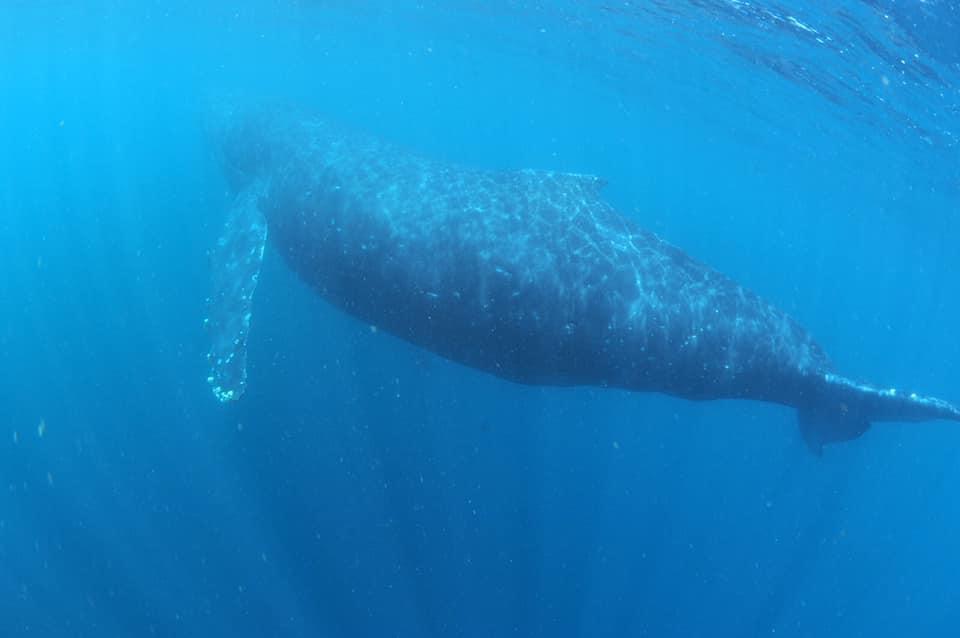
x,y
363,487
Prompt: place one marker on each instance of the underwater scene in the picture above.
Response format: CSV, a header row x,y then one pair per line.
x,y
479,318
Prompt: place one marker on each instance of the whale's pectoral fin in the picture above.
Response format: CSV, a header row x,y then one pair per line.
x,y
236,262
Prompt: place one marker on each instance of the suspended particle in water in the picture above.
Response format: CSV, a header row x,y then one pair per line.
x,y
41,428
16,437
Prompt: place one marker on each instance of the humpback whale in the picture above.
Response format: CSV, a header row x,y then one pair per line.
x,y
526,274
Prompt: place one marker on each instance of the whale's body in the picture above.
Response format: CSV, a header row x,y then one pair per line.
x,y
529,275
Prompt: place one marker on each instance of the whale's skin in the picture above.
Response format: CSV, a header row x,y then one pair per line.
x,y
529,275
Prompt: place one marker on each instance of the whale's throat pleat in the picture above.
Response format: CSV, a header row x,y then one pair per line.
x,y
237,259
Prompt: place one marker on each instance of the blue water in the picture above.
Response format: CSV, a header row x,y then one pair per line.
x,y
367,488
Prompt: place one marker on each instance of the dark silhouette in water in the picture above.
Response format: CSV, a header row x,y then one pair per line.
x,y
528,275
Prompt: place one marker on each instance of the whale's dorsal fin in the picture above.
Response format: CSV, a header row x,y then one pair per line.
x,y
591,184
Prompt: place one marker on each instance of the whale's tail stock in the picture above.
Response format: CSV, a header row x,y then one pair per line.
x,y
840,409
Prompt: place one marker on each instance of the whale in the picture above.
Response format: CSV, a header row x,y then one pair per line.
x,y
528,275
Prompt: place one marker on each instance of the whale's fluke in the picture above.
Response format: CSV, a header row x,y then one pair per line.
x,y
839,409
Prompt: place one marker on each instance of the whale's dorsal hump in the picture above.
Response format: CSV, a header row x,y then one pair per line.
x,y
590,184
